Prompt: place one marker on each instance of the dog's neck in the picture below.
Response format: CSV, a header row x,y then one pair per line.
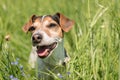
x,y
57,57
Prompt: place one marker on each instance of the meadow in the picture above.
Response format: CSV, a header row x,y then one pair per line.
x,y
93,43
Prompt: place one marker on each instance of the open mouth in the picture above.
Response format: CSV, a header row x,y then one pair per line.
x,y
44,51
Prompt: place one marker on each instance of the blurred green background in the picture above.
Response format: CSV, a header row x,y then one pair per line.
x,y
93,43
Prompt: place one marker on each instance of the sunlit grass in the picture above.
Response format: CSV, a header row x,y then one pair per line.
x,y
93,43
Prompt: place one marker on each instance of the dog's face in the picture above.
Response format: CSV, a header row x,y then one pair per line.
x,y
47,32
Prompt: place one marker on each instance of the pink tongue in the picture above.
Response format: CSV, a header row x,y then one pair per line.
x,y
42,52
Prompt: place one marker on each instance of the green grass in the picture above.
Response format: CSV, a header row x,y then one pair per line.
x,y
93,43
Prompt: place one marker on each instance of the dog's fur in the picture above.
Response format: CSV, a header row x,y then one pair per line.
x,y
47,39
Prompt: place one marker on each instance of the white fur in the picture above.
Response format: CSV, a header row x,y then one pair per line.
x,y
43,18
33,57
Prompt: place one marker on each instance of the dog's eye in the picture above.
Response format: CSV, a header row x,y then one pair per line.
x,y
52,25
32,28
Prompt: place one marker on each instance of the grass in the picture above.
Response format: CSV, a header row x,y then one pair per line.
x,y
93,43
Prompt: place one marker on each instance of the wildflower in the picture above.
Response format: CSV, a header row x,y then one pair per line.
x,y
21,67
13,78
59,75
14,63
7,37
68,73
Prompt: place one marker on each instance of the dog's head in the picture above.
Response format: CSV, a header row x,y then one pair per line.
x,y
47,32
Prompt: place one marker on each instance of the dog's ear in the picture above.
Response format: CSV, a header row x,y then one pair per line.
x,y
26,27
65,23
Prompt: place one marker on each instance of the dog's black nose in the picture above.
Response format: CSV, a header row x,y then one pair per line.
x,y
36,38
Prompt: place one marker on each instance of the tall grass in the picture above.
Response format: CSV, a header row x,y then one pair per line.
x,y
93,43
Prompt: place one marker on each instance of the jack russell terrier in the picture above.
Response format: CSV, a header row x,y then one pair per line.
x,y
47,40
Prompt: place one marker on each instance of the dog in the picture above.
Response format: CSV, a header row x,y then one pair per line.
x,y
47,34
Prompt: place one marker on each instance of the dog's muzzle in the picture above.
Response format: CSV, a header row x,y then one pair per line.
x,y
36,38
42,50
